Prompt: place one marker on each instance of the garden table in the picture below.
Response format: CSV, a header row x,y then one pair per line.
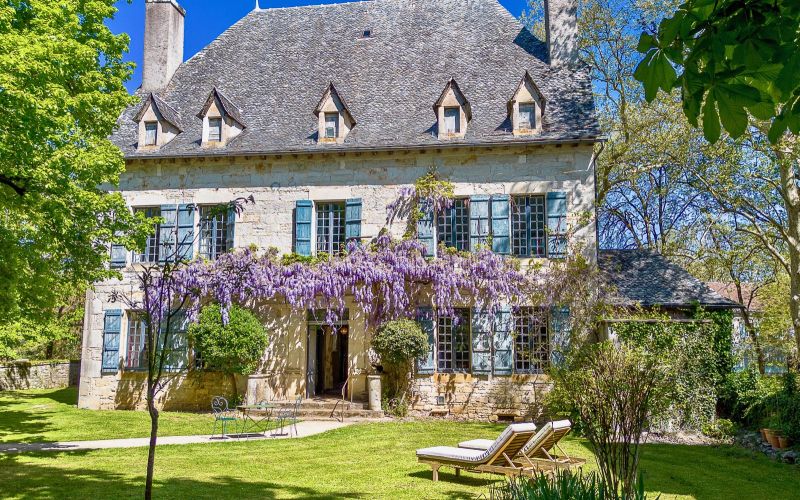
x,y
255,416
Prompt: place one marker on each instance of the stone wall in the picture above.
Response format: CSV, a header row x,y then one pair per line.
x,y
480,398
18,375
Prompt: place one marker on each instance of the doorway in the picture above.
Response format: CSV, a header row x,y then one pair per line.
x,y
327,357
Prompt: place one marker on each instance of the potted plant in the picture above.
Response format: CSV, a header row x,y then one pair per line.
x,y
783,442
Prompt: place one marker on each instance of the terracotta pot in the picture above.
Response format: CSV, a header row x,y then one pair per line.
x,y
764,435
772,438
783,442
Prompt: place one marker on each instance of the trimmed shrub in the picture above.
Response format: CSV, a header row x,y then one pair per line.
x,y
721,428
399,343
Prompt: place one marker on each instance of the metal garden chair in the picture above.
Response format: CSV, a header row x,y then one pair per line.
x,y
289,415
222,415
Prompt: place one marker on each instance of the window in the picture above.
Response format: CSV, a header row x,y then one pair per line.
x,y
452,120
453,342
150,133
151,246
215,130
531,342
331,125
528,226
527,116
137,346
215,238
452,225
366,33
330,227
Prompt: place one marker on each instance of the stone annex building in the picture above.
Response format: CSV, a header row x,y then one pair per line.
x,y
324,114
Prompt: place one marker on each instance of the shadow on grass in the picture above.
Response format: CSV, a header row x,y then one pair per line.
x,y
35,480
36,417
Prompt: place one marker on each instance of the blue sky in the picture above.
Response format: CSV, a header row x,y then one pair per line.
x,y
206,19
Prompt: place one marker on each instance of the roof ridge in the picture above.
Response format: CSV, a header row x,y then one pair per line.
x,y
318,5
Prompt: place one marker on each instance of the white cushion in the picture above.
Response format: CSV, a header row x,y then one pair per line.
x,y
450,453
476,444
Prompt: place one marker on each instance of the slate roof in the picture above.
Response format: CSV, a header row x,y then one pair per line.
x,y
166,111
228,107
276,63
649,279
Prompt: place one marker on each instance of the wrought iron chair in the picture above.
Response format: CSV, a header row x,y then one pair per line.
x,y
289,416
222,415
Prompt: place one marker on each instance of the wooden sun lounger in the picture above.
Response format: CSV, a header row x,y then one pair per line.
x,y
496,459
539,452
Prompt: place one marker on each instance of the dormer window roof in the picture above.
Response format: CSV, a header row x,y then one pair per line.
x,y
158,123
222,120
526,107
334,120
453,111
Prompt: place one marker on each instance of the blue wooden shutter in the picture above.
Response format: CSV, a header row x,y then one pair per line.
x,y
478,220
559,334
167,232
501,224
186,232
304,211
425,228
112,324
481,341
556,225
119,256
425,318
352,220
231,228
503,342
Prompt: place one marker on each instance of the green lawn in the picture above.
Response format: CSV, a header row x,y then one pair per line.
x,y
370,461
51,415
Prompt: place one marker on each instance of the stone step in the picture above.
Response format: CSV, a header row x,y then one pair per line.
x,y
325,404
319,414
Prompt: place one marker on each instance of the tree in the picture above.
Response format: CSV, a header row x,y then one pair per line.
x,y
738,60
399,343
234,346
62,88
613,391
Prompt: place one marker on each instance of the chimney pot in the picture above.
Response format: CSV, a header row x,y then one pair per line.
x,y
163,42
561,25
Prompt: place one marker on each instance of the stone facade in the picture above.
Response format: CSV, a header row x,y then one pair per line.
x,y
19,375
276,183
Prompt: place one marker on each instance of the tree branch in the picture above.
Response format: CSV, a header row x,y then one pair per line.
x,y
13,183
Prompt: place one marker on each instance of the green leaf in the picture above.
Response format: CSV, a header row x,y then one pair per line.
x,y
646,42
741,94
776,130
731,113
669,28
711,126
764,110
789,77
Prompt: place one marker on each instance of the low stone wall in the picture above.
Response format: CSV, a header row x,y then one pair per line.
x,y
18,375
480,398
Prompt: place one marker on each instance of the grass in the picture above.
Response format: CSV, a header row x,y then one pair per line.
x,y
373,461
51,415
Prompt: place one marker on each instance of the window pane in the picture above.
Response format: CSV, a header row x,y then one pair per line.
x,y
214,231
150,253
330,227
215,129
527,118
137,352
531,342
452,119
528,226
453,225
453,342
331,125
150,133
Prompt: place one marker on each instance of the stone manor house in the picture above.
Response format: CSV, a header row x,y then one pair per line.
x,y
324,114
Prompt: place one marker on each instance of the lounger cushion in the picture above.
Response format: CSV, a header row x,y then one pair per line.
x,y
476,444
450,453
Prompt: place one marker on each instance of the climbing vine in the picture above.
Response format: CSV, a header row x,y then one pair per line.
x,y
429,193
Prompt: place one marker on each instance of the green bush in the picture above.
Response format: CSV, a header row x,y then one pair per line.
x,y
400,342
720,429
563,485
235,347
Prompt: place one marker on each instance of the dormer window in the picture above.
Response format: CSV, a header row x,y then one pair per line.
x,y
331,125
150,133
526,107
222,120
453,112
215,130
158,123
452,120
334,120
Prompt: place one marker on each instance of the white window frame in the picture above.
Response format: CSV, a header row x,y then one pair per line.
x,y
212,136
147,133
331,118
452,113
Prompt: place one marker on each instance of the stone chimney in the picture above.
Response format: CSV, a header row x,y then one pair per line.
x,y
163,42
561,25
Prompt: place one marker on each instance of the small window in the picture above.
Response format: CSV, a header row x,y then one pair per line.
x,y
452,120
137,335
331,125
531,341
330,227
366,33
150,133
528,235
453,342
215,130
152,242
452,225
527,116
215,231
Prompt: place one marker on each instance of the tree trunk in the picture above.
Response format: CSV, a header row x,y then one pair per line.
x,y
750,327
794,304
151,455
